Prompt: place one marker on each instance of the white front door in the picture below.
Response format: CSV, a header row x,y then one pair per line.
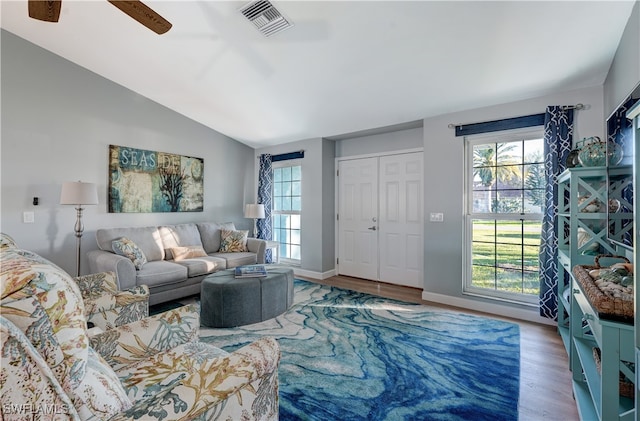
x,y
380,219
401,219
357,218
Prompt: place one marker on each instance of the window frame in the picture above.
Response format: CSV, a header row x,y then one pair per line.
x,y
274,212
516,135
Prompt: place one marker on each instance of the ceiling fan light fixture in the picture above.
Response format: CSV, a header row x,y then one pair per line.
x,y
47,11
265,17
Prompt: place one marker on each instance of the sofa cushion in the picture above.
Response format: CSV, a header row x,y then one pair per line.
x,y
202,265
237,259
146,238
161,273
210,234
180,235
127,248
189,252
233,241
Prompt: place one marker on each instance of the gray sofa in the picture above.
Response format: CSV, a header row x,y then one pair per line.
x,y
166,278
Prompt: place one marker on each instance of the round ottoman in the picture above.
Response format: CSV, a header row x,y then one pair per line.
x,y
229,302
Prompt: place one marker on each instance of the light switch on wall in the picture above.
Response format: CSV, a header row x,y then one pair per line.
x,y
28,217
436,217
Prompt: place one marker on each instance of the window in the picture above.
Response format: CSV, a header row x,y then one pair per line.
x,y
505,202
287,204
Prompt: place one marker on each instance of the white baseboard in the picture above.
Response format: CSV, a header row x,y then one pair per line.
x,y
514,313
314,275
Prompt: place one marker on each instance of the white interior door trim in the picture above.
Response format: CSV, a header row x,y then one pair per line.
x,y
336,189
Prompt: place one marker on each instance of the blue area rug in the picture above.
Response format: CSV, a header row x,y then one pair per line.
x,y
353,356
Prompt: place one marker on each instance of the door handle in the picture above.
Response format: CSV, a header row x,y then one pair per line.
x,y
373,228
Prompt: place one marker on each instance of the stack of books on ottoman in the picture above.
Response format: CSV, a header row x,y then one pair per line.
x,y
251,271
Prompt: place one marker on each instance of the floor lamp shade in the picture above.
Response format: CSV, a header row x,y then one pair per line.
x,y
79,194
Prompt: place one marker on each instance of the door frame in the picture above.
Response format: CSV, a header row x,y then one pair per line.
x,y
337,192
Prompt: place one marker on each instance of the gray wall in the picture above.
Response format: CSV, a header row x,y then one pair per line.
x,y
57,122
380,143
624,73
318,203
444,175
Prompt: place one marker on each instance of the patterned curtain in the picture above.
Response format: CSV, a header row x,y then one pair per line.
x,y
265,183
558,140
619,129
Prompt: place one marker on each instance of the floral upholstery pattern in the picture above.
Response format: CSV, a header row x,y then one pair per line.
x,y
46,305
7,242
106,307
38,384
139,367
233,241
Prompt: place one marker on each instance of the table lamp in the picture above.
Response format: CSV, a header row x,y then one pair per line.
x,y
254,211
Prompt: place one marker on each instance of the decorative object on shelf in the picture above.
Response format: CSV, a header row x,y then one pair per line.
x,y
596,153
254,211
614,205
592,206
626,387
611,299
583,238
79,194
572,159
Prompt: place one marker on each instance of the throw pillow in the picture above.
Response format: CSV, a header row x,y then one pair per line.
x,y
233,241
100,395
188,252
127,248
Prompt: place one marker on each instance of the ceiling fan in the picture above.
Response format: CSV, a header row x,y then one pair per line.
x,y
49,11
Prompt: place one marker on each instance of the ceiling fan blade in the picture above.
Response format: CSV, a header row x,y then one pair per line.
x,y
48,11
143,14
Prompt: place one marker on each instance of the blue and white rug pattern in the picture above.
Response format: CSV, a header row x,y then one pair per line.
x,y
353,356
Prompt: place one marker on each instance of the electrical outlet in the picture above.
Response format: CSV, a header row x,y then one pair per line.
x,y
436,217
28,217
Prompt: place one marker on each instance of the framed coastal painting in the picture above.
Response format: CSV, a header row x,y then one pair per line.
x,y
149,181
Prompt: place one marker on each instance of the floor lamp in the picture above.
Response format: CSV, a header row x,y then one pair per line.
x,y
78,193
254,211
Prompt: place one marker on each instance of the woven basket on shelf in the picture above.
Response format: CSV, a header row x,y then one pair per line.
x,y
627,388
620,308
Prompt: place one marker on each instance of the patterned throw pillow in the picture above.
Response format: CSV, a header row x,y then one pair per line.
x,y
127,248
188,252
233,241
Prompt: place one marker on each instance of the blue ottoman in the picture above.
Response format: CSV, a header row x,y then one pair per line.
x,y
229,302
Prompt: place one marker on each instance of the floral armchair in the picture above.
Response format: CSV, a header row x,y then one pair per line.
x,y
130,366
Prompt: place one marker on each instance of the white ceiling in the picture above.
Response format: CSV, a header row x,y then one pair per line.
x,y
344,67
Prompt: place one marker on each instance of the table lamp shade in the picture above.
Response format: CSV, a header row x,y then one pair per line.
x,y
78,193
254,211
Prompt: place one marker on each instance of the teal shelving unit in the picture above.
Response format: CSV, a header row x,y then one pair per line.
x,y
582,234
615,341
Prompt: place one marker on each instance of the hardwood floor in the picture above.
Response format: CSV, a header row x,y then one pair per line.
x,y
545,379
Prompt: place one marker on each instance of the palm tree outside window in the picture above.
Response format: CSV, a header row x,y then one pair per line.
x,y
505,191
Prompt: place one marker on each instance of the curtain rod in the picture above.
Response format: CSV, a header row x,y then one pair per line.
x,y
578,106
300,151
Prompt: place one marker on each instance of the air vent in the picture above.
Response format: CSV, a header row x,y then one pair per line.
x,y
264,16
